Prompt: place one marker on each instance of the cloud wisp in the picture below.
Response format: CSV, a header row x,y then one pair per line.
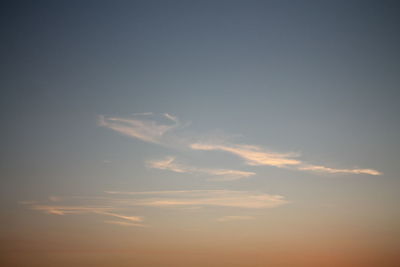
x,y
170,164
204,198
140,126
84,209
255,156
114,203
324,169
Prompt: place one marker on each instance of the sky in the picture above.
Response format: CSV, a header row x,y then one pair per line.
x,y
199,133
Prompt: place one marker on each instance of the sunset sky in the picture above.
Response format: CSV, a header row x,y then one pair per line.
x,y
200,133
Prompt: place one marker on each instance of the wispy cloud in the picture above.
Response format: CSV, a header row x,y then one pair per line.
x,y
252,154
170,163
235,218
143,127
116,204
82,209
128,218
227,175
205,198
140,127
64,210
332,170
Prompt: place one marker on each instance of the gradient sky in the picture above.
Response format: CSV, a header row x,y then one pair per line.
x,y
193,133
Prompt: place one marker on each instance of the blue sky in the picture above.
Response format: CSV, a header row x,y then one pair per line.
x,y
147,116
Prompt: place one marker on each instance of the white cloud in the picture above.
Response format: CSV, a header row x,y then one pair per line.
x,y
205,198
128,218
227,175
140,126
171,117
64,210
144,129
252,154
117,202
169,163
82,209
332,170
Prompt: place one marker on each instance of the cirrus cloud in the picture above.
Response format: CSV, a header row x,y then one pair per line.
x,y
116,203
140,126
170,164
203,198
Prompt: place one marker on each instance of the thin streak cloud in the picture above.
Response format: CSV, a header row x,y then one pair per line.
x,y
145,129
137,127
332,170
81,209
252,154
64,210
170,164
206,198
128,218
183,200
